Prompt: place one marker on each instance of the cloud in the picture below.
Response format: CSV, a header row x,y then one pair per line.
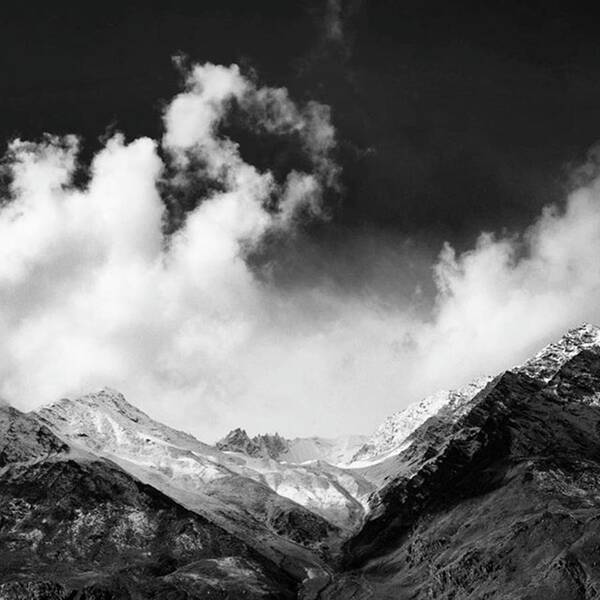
x,y
510,294
334,25
93,292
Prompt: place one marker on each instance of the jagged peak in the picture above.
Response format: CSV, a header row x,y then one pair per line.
x,y
263,445
585,327
546,363
235,434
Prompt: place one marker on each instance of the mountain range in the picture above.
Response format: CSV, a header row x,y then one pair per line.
x,y
491,490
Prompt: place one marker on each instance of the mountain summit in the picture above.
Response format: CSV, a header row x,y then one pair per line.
x,y
389,438
548,361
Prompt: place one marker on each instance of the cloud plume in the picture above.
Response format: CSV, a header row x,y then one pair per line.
x,y
94,293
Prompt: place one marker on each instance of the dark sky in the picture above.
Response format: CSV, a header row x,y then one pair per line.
x,y
452,117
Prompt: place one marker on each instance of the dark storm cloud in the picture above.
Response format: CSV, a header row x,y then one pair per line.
x,y
451,117
465,113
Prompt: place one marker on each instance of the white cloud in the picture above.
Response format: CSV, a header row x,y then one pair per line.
x,y
93,294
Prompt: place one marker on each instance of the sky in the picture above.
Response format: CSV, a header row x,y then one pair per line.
x,y
293,217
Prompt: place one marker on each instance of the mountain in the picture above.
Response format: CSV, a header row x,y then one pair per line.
x,y
73,525
305,471
388,439
219,481
487,491
500,501
336,451
220,487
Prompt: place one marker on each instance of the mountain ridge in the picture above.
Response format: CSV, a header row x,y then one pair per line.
x,y
451,502
76,525
530,439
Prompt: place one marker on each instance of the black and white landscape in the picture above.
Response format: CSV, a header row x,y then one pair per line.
x,y
274,281
490,491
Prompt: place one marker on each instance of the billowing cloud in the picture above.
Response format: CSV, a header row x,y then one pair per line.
x,y
94,293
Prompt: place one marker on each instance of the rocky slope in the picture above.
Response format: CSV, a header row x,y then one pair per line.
x,y
501,502
220,487
24,439
73,525
244,488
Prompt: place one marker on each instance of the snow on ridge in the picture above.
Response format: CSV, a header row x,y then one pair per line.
x,y
106,424
388,439
546,363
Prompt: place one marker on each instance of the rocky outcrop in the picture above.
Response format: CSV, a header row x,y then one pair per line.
x,y
260,446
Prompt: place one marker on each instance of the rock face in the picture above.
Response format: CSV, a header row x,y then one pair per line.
x,y
260,446
499,503
24,438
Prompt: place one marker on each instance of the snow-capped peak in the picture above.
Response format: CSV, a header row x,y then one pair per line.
x,y
546,363
108,421
390,436
112,400
107,425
